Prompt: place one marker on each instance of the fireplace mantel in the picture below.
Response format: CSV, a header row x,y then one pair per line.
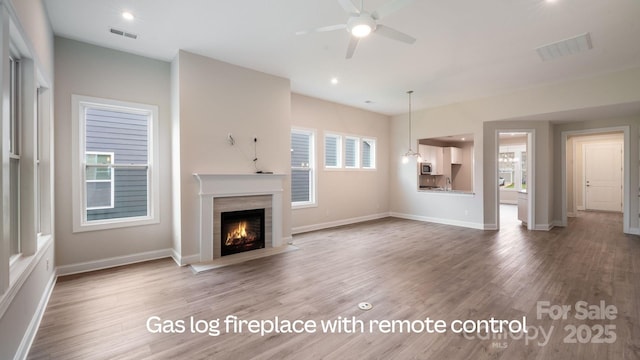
x,y
230,185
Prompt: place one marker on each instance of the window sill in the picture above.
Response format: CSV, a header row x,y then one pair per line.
x,y
303,206
21,268
349,169
115,224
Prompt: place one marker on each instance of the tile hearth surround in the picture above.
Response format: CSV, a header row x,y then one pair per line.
x,y
258,190
238,203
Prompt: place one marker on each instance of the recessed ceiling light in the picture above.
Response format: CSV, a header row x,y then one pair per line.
x,y
128,16
334,81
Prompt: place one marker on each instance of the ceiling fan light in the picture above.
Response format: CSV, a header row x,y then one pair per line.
x,y
361,25
361,30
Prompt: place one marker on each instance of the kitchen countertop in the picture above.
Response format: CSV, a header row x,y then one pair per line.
x,y
439,190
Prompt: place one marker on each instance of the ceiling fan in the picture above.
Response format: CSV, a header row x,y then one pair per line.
x,y
361,23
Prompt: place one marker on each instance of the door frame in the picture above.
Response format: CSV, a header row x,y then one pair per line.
x,y
626,220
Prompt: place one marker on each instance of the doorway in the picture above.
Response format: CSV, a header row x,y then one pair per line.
x,y
515,178
595,172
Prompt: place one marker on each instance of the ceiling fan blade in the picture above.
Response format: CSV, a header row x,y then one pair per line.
x,y
389,8
349,7
322,29
394,34
352,46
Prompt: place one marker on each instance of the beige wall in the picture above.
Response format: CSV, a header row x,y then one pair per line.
x,y
482,118
405,199
343,195
217,98
90,70
35,22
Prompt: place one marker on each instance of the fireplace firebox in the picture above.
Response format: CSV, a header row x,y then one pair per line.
x,y
242,231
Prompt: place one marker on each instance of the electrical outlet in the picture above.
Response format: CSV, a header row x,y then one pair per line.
x,y
48,264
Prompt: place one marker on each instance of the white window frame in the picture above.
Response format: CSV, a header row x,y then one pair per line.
x,y
311,167
15,149
356,139
79,105
338,150
111,180
373,142
15,270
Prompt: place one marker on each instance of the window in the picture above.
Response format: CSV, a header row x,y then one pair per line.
x,y
352,152
14,155
99,179
302,168
115,154
513,167
20,145
368,154
332,151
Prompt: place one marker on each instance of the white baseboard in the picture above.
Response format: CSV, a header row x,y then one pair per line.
x,y
441,221
331,224
34,324
572,214
558,223
543,227
113,262
184,260
580,207
490,226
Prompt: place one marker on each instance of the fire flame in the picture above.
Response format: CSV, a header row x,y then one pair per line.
x,y
238,233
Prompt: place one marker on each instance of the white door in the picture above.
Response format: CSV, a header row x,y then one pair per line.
x,y
603,176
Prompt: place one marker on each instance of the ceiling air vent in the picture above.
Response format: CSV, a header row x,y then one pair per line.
x,y
566,47
123,33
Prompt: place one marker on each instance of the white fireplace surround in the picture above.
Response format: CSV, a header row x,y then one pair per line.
x,y
214,186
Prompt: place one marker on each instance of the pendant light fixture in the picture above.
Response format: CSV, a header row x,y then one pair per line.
x,y
410,152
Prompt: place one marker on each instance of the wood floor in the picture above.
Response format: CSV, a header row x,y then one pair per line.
x,y
408,270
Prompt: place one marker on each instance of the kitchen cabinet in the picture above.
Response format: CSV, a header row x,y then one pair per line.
x,y
455,154
433,155
523,206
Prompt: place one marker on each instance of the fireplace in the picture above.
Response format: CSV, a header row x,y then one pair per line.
x,y
220,193
242,231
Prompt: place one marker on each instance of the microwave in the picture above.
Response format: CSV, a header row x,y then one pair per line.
x,y
426,168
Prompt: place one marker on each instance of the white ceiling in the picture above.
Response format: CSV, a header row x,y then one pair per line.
x,y
465,49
